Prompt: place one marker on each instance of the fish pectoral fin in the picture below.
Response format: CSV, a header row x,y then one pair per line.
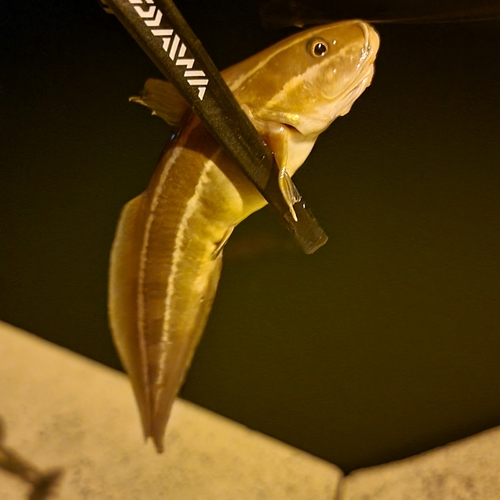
x,y
222,243
163,100
289,191
278,138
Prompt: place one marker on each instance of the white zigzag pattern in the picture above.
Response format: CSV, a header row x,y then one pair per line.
x,y
174,47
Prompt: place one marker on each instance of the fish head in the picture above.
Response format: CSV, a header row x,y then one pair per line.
x,y
309,79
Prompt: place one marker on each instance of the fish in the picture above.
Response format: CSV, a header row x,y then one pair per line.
x,y
167,252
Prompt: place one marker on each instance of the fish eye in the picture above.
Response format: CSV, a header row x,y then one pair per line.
x,y
318,47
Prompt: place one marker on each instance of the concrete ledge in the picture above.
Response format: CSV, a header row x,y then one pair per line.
x,y
465,470
70,430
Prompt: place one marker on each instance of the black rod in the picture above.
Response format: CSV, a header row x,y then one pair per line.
x,y
163,34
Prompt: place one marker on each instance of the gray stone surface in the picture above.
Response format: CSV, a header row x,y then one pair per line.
x,y
70,430
465,470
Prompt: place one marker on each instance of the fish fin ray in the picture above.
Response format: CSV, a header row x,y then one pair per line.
x,y
162,99
222,243
289,191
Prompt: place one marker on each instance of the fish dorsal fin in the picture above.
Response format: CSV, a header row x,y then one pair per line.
x,y
163,100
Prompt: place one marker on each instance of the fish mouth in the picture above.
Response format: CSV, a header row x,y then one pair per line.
x,y
365,65
372,42
343,102
359,85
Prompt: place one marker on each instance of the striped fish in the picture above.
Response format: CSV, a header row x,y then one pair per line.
x,y
167,253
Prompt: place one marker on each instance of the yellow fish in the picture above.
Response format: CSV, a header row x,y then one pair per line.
x,y
167,253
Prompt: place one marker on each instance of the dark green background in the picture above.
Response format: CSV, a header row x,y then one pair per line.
x,y
383,344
